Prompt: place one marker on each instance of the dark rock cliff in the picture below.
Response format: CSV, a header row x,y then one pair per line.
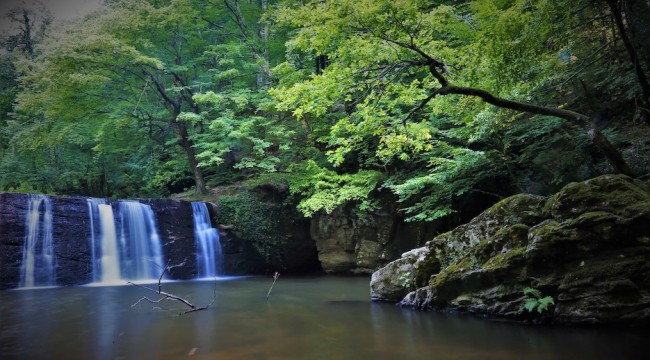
x,y
70,238
587,247
71,234
12,234
176,230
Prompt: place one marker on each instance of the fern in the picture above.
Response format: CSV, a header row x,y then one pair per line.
x,y
535,301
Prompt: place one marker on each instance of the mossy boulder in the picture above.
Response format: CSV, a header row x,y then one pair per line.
x,y
615,194
588,247
502,225
399,277
519,210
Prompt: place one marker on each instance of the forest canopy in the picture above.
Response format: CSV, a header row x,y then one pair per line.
x,y
431,105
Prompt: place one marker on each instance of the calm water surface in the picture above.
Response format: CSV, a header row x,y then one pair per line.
x,y
305,318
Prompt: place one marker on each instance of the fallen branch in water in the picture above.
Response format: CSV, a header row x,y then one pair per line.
x,y
275,278
169,296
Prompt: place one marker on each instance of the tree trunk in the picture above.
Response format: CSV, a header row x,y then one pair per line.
x,y
631,50
614,157
262,77
174,108
188,146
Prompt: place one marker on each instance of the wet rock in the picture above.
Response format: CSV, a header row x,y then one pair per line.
x,y
418,299
71,228
588,248
71,237
395,280
12,236
176,229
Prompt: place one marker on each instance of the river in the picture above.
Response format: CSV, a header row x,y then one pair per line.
x,y
305,318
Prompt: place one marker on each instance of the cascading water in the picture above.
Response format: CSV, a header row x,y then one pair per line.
x,y
140,249
209,255
103,242
39,263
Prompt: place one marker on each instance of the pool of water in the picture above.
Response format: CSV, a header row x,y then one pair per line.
x,y
304,318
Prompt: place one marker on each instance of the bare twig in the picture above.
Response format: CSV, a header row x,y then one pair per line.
x,y
275,278
169,296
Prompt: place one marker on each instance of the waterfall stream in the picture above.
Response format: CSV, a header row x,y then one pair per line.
x,y
105,254
126,247
209,255
38,265
140,248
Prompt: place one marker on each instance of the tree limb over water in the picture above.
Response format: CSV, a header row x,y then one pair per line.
x,y
168,296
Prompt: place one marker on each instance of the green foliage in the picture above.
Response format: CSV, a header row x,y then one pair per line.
x,y
535,301
546,153
131,81
323,189
446,179
328,100
405,279
256,221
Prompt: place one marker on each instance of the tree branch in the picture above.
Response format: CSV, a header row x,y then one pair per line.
x,y
164,294
169,296
514,105
239,19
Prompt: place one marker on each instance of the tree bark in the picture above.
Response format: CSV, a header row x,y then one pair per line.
x,y
174,107
632,52
263,72
188,146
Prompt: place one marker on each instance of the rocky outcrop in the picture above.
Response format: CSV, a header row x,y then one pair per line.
x,y
587,247
347,244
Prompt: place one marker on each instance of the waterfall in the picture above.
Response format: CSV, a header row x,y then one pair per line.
x,y
209,255
37,268
140,249
103,242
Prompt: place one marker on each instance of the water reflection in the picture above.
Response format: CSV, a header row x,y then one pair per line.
x,y
306,318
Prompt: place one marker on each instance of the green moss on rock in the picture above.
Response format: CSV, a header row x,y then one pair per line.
x,y
591,253
505,239
617,194
508,259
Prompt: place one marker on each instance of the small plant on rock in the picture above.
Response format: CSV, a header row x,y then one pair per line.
x,y
405,280
535,301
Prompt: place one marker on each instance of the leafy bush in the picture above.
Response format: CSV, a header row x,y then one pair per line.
x,y
255,221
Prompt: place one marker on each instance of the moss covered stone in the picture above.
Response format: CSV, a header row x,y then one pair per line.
x,y
591,253
617,194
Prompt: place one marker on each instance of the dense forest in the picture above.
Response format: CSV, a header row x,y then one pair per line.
x,y
438,106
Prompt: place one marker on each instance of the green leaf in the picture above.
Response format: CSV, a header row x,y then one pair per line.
x,y
530,305
534,292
